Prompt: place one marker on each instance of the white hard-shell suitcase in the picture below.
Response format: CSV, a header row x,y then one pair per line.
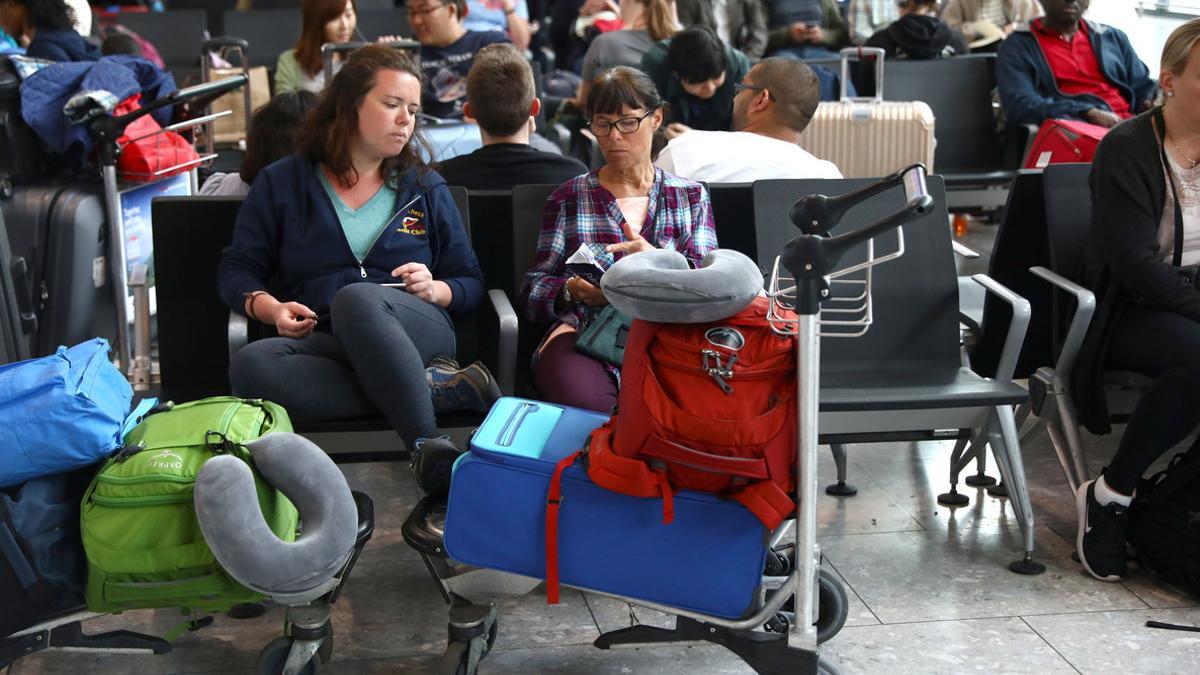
x,y
870,137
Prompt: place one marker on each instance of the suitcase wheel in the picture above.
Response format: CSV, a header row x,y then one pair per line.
x,y
274,656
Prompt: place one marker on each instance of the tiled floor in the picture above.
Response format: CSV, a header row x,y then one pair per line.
x,y
929,592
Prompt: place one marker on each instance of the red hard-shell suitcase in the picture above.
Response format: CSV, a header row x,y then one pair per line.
x,y
1064,141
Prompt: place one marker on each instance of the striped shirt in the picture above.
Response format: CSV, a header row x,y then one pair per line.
x,y
580,211
993,10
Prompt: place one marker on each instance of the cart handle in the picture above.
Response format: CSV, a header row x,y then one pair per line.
x,y
812,257
107,129
818,214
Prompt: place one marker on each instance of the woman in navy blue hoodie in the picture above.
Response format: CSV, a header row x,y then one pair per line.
x,y
371,261
49,25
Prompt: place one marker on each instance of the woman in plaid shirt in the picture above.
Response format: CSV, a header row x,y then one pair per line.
x,y
624,207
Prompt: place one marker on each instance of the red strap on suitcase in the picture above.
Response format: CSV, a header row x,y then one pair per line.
x,y
553,500
766,501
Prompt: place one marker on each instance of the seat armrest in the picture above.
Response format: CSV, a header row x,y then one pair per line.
x,y
506,352
238,332
1085,308
970,304
963,251
1017,326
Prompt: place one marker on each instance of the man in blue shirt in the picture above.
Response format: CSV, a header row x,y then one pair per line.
x,y
510,17
447,53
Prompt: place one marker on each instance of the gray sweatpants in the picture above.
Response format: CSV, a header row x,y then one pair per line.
x,y
373,362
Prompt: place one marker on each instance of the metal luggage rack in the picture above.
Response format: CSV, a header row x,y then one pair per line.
x,y
846,309
180,163
851,309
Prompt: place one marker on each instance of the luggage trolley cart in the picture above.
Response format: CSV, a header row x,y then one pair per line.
x,y
308,636
811,298
134,359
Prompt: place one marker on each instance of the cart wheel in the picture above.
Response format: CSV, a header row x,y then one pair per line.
x,y
827,667
492,633
325,651
273,657
455,659
457,655
833,606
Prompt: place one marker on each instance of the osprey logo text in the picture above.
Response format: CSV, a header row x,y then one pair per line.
x,y
724,336
165,460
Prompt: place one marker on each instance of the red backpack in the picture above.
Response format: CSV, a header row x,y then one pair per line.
x,y
708,407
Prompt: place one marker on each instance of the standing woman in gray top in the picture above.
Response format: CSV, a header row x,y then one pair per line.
x,y
646,22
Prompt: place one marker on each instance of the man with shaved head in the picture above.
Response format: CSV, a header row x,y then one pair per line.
x,y
772,105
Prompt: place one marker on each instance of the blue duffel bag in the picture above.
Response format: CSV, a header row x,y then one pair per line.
x,y
709,559
62,412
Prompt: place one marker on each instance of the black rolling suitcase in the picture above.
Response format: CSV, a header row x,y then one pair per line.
x,y
14,343
60,233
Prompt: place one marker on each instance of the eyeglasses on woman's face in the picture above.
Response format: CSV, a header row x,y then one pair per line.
x,y
625,125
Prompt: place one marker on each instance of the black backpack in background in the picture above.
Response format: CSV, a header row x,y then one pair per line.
x,y
1164,527
42,569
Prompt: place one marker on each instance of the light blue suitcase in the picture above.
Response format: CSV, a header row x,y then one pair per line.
x,y
710,559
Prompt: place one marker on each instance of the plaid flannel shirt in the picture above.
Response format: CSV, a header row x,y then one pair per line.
x,y
581,211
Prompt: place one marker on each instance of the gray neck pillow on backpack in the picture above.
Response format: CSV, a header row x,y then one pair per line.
x,y
233,525
660,286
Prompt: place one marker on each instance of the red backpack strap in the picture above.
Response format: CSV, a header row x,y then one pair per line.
x,y
553,500
767,501
625,475
613,472
668,497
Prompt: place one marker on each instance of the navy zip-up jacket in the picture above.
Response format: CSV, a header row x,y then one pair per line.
x,y
1030,95
287,230
62,45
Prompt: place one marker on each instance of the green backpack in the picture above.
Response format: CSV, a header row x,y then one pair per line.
x,y
143,544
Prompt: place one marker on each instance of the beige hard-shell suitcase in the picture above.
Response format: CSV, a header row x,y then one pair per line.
x,y
870,137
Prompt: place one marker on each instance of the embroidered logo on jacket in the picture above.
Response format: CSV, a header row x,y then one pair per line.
x,y
413,223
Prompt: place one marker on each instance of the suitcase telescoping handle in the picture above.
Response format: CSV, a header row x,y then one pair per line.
x,y
224,46
868,55
227,47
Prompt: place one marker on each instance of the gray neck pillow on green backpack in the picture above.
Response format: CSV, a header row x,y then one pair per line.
x,y
660,286
233,524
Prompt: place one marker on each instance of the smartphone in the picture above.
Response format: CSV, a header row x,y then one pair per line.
x,y
399,284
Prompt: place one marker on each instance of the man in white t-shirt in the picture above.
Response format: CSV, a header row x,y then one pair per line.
x,y
774,102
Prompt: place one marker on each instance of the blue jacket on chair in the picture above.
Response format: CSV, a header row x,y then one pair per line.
x,y
1030,95
287,229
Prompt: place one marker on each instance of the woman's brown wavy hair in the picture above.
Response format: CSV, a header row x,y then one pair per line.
x,y
333,125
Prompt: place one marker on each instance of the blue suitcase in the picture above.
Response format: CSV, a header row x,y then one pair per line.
x,y
709,560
